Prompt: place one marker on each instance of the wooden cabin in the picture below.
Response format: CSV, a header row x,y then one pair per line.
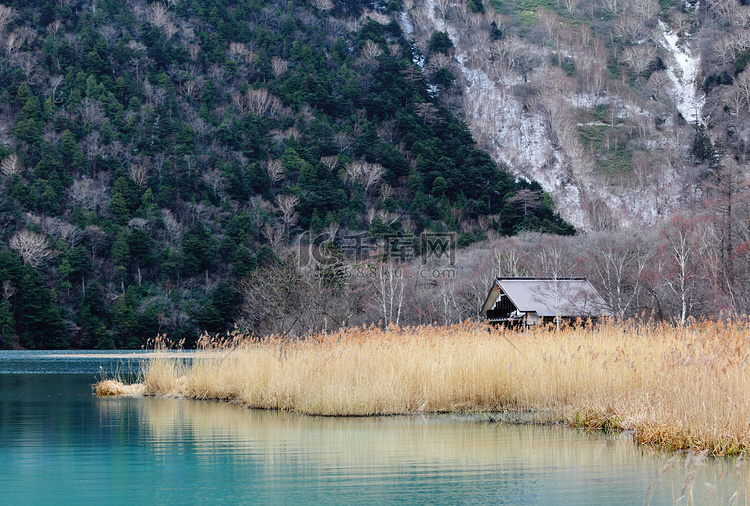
x,y
531,301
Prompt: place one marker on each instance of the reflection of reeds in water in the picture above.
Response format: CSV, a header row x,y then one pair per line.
x,y
367,446
674,387
342,442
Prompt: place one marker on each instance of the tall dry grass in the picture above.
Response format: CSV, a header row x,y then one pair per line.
x,y
674,387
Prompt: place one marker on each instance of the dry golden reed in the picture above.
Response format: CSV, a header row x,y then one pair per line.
x,y
116,387
674,387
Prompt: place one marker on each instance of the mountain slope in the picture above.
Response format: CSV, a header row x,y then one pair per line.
x,y
601,102
152,154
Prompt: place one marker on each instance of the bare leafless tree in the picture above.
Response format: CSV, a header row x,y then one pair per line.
x,y
6,15
527,200
507,262
237,50
275,236
158,15
275,170
32,247
13,44
629,28
639,57
285,301
388,282
616,264
330,161
614,7
387,217
387,131
371,50
725,9
679,21
215,180
344,141
11,165
645,9
742,16
442,7
95,239
386,191
54,27
259,102
366,173
287,205
155,95
138,174
194,50
742,85
332,230
60,229
735,101
279,66
725,49
172,228
53,89
92,146
659,84
437,61
8,289
110,34
323,5
91,111
89,194
681,269
426,111
408,225
170,29
193,88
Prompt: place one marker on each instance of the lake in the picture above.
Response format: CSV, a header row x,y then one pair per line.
x,y
60,444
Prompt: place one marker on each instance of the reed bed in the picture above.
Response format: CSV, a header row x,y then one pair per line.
x,y
674,387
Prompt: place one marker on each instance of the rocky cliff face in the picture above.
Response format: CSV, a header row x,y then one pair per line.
x,y
601,102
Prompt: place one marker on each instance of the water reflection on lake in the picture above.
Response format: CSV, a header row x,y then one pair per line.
x,y
59,443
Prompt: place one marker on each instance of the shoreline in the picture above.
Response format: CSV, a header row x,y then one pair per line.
x,y
123,355
116,388
675,388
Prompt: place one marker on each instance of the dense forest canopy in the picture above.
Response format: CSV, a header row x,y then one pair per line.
x,y
153,154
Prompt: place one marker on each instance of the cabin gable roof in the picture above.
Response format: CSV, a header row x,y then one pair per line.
x,y
548,297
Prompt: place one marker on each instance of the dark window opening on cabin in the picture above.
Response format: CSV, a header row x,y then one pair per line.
x,y
501,310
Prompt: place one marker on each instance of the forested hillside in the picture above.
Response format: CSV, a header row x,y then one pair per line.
x,y
154,154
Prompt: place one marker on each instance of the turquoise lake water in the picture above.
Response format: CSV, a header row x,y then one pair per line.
x,y
59,444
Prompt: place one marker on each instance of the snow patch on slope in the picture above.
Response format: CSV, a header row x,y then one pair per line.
x,y
406,23
683,72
